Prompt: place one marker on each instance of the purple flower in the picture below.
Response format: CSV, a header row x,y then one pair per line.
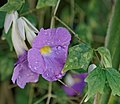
x,y
48,53
22,73
76,82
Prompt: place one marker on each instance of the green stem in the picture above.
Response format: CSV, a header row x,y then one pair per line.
x,y
112,42
40,100
54,13
49,93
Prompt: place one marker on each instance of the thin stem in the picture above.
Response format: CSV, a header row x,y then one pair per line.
x,y
71,102
12,86
49,93
54,13
69,87
44,97
31,93
83,98
96,99
97,57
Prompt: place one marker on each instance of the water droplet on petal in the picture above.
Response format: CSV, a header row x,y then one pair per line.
x,y
59,76
30,67
52,42
35,68
45,32
28,75
59,47
36,62
19,77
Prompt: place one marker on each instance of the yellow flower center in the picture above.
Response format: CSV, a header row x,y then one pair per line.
x,y
45,50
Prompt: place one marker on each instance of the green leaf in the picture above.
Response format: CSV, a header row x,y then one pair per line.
x,y
45,3
12,5
113,78
96,82
79,57
8,38
105,56
2,18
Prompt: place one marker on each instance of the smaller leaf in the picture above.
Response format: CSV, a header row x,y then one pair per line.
x,y
113,78
96,82
105,56
12,5
45,3
79,57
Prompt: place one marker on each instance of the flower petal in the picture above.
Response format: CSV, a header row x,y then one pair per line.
x,y
54,64
21,27
77,86
30,25
15,74
22,73
35,61
52,37
30,36
8,21
18,43
81,76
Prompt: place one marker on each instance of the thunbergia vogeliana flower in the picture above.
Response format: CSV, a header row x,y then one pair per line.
x,y
20,27
75,81
48,53
22,73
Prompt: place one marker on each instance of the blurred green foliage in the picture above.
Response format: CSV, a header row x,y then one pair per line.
x,y
88,18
